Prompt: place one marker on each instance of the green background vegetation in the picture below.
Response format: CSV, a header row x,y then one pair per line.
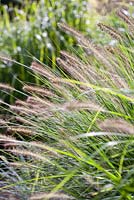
x,y
31,31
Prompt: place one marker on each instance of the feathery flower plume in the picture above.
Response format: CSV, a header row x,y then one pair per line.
x,y
21,164
60,90
77,105
38,90
71,70
42,103
21,130
3,122
86,44
117,125
21,103
26,153
24,121
74,62
23,110
10,144
109,48
43,146
69,57
30,105
69,30
6,87
1,101
34,100
111,31
125,17
65,27
85,69
7,138
129,20
38,68
41,196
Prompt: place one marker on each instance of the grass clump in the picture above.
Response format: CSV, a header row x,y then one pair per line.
x,y
73,137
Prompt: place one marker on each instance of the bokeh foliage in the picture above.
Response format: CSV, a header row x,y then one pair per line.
x,y
31,31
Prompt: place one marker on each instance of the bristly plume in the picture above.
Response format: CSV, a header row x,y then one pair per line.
x,y
111,31
125,17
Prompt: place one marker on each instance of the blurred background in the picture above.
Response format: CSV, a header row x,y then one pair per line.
x,y
28,29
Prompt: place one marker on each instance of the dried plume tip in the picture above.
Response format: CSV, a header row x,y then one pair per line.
x,y
111,31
